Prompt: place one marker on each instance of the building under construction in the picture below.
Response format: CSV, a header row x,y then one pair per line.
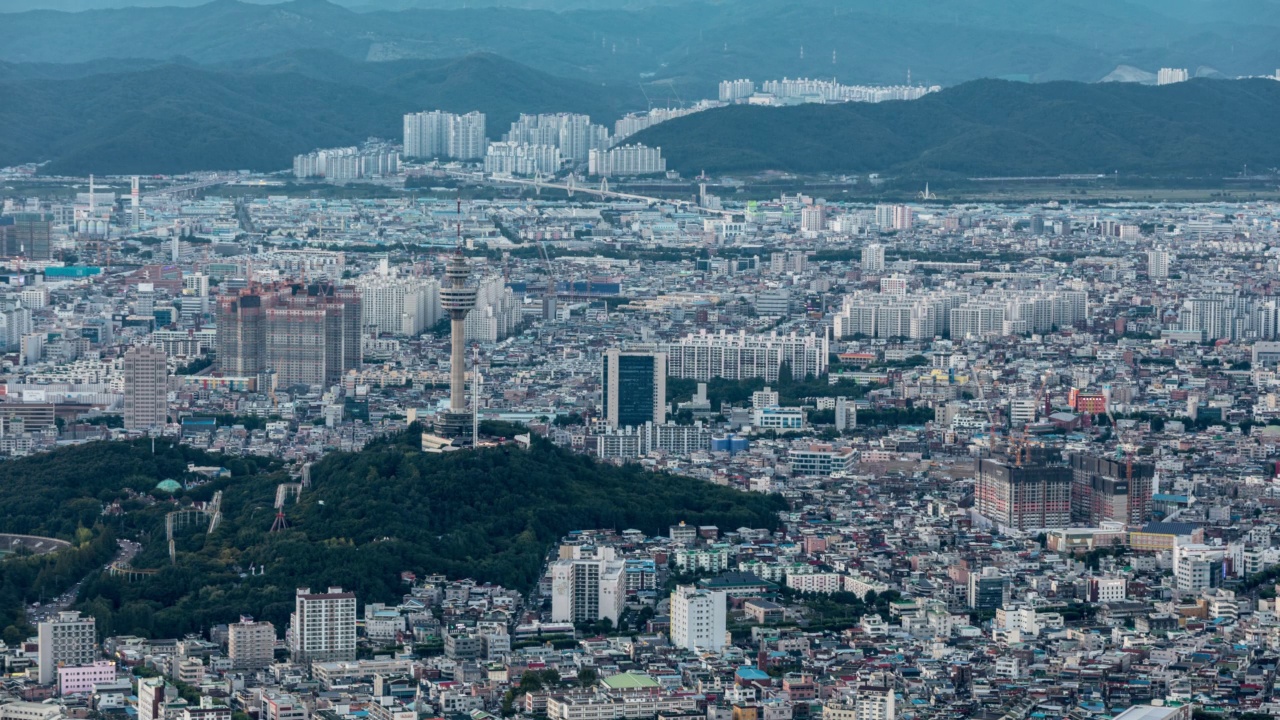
x,y
1106,489
1031,489
307,335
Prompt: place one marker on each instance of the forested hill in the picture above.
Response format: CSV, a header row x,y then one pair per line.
x,y
994,128
63,494
491,515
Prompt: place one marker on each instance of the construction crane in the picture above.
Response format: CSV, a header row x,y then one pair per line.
x,y
986,406
1018,441
549,309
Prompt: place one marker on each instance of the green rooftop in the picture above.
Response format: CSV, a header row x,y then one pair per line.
x,y
629,681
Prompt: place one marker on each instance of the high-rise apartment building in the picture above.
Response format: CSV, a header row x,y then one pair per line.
x,y
739,356
732,91
1158,264
587,589
1103,489
904,218
512,158
347,163
895,217
575,136
399,305
242,333
322,627
873,259
66,640
30,235
250,644
626,160
443,134
497,312
813,218
307,335
146,388
697,618
313,335
635,388
1023,496
15,324
1169,76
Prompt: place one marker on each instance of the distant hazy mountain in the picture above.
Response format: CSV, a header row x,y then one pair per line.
x,y
1130,74
682,49
172,117
994,128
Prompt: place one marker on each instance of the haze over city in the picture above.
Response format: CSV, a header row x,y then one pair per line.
x,y
639,360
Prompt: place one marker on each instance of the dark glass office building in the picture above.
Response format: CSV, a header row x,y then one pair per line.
x,y
635,388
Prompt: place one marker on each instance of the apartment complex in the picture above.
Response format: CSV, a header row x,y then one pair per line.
x,y
497,311
574,136
738,356
322,627
399,305
347,163
444,134
626,160
307,335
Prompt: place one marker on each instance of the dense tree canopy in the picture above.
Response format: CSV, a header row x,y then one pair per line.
x,y
490,514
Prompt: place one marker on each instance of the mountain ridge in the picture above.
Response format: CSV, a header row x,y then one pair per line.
x,y
993,128
693,44
176,117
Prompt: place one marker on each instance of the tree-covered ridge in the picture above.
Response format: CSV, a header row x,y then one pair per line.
x,y
994,128
490,514
63,494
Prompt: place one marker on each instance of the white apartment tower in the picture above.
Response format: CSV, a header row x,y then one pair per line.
x,y
739,356
1169,76
323,626
146,389
65,641
399,305
626,160
588,589
873,259
1158,264
697,618
736,90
